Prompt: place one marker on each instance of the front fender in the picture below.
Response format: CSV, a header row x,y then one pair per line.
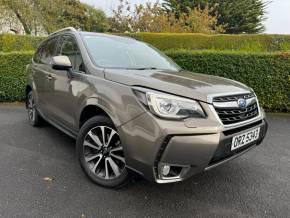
x,y
116,100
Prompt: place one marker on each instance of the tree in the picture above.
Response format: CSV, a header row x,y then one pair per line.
x,y
237,16
20,10
241,16
152,18
7,22
180,6
200,21
46,16
95,21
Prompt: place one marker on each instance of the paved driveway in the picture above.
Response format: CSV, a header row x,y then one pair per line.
x,y
40,177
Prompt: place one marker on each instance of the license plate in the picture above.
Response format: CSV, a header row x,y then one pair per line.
x,y
245,138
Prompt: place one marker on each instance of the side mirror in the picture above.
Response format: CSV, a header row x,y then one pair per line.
x,y
61,63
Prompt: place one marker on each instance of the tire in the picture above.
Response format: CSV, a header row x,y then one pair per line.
x,y
33,114
100,153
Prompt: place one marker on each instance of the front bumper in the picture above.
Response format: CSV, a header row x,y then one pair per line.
x,y
204,152
191,146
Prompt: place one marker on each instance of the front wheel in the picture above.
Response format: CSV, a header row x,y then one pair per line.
x,y
100,152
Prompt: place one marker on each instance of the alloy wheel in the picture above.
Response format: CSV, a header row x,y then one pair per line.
x,y
31,108
103,152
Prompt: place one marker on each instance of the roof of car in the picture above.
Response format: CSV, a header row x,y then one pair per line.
x,y
72,29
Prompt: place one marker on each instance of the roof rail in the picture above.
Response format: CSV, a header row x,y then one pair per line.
x,y
64,29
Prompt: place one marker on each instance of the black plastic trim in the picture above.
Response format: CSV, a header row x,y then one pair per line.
x,y
223,150
239,129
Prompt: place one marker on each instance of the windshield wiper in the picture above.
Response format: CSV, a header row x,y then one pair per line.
x,y
143,68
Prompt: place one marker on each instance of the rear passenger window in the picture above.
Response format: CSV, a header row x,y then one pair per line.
x,y
48,51
69,48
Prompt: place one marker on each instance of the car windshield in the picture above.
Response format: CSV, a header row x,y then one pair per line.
x,y
120,52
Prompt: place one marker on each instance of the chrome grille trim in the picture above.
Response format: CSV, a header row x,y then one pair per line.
x,y
233,97
233,104
230,113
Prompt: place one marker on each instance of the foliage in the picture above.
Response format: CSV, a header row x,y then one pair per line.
x,y
165,41
268,74
59,14
152,18
18,11
237,16
242,16
199,20
9,42
12,75
40,17
96,20
219,42
180,6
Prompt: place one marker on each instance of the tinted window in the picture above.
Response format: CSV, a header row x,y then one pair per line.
x,y
48,51
69,48
118,52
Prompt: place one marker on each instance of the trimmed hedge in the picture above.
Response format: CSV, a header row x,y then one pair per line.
x,y
165,41
12,75
193,41
9,42
268,74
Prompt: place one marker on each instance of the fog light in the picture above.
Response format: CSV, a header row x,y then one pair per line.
x,y
165,170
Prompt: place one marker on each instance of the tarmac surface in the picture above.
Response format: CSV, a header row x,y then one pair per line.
x,y
40,177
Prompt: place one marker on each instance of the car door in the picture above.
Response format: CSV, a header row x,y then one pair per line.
x,y
42,74
38,78
63,99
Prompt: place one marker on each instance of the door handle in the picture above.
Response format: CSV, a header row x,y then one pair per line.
x,y
49,77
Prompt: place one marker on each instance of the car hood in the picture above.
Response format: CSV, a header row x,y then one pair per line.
x,y
192,85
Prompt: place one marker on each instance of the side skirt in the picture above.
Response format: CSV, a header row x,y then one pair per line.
x,y
68,132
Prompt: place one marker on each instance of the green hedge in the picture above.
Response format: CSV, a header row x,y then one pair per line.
x,y
165,41
12,75
10,42
191,41
268,74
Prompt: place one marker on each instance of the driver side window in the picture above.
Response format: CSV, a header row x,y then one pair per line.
x,y
68,47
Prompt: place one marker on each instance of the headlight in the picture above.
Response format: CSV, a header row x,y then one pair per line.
x,y
169,106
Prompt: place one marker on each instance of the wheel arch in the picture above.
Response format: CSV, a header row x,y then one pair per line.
x,y
28,88
93,109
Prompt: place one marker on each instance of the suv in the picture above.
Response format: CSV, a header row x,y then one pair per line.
x,y
130,107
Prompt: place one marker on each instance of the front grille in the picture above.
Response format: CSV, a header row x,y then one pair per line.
x,y
230,115
233,97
